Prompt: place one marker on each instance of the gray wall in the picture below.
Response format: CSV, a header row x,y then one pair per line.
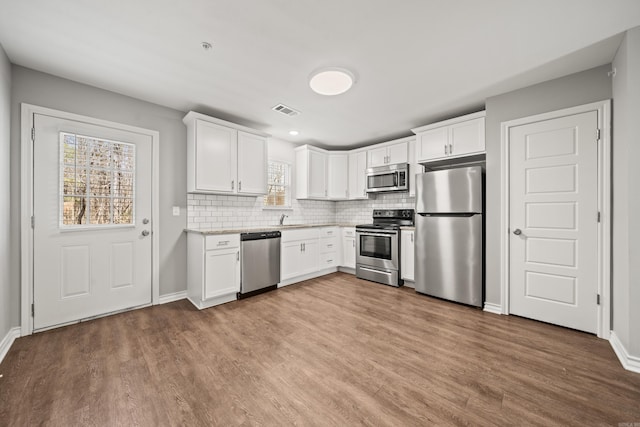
x,y
626,203
45,90
576,89
6,321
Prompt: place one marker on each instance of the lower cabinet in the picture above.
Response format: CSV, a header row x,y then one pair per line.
x,y
349,247
213,272
298,258
407,254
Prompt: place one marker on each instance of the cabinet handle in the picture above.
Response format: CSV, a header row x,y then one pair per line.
x,y
238,256
223,243
411,237
300,247
450,148
353,243
446,149
239,185
330,245
329,261
232,183
304,247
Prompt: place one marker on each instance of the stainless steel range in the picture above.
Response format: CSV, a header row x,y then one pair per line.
x,y
378,246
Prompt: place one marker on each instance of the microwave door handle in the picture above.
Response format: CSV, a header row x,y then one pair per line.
x,y
396,179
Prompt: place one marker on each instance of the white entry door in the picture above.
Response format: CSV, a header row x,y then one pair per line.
x,y
92,220
553,221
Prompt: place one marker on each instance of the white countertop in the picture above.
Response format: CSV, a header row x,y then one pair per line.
x,y
260,229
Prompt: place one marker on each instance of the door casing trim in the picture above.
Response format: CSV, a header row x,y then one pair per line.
x,y
603,108
27,112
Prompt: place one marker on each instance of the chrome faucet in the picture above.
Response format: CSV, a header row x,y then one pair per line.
x,y
282,217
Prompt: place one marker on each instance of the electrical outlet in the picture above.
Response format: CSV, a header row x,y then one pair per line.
x,y
176,211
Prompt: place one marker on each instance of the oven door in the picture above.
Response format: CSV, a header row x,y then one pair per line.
x,y
377,249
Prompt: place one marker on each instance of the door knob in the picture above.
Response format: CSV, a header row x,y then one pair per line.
x,y
145,233
517,232
145,221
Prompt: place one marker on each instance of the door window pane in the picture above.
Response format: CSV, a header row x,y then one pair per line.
x,y
97,181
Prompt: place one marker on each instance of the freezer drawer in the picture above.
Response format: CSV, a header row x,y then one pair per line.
x,y
448,257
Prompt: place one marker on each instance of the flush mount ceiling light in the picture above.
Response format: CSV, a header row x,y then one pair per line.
x,y
331,81
294,133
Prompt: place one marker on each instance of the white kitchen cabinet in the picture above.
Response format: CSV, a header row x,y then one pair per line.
x,y
213,274
458,137
414,168
329,247
407,254
349,247
299,253
224,158
338,176
311,173
252,164
388,153
357,178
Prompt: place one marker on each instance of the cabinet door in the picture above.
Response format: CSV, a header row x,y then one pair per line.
x,y
357,177
407,255
432,144
377,157
222,272
338,173
414,168
317,175
349,252
290,260
252,164
215,157
467,137
397,153
310,256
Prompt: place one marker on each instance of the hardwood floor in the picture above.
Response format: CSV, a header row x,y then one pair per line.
x,y
330,351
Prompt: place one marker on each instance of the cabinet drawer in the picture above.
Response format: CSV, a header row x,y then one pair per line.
x,y
299,234
223,241
329,232
328,245
328,260
349,232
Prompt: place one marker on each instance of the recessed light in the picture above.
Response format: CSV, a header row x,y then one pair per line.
x,y
294,132
331,81
206,46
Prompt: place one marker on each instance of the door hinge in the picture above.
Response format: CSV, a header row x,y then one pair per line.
x,y
598,299
33,310
598,216
33,134
33,221
597,135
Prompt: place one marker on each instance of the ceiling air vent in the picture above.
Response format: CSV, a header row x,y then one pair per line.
x,y
287,111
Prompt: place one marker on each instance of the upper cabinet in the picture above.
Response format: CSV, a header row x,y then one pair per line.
x,y
458,137
388,153
357,178
224,158
311,173
338,176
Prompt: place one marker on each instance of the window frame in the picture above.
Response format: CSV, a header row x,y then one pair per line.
x,y
287,186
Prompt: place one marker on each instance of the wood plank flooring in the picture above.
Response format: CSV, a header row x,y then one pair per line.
x,y
330,351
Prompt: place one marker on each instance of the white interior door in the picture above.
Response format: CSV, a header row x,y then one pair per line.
x,y
92,220
553,221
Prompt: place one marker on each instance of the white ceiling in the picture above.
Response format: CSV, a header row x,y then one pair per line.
x,y
416,61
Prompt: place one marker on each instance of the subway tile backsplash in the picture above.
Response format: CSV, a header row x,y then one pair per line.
x,y
213,212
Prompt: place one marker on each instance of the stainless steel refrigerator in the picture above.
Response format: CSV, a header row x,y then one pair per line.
x,y
449,235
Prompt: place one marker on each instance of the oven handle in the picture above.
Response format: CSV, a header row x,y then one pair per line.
x,y
375,271
379,234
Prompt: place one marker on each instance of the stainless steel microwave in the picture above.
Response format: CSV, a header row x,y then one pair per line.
x,y
388,178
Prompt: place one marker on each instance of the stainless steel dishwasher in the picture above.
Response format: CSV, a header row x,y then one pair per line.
x,y
260,262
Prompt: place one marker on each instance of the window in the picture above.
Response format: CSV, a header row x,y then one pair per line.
x,y
278,185
96,181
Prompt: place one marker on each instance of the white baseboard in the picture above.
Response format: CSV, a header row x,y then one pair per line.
x,y
176,296
492,308
7,341
629,362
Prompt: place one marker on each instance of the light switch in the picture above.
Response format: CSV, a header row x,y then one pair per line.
x,y
176,211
